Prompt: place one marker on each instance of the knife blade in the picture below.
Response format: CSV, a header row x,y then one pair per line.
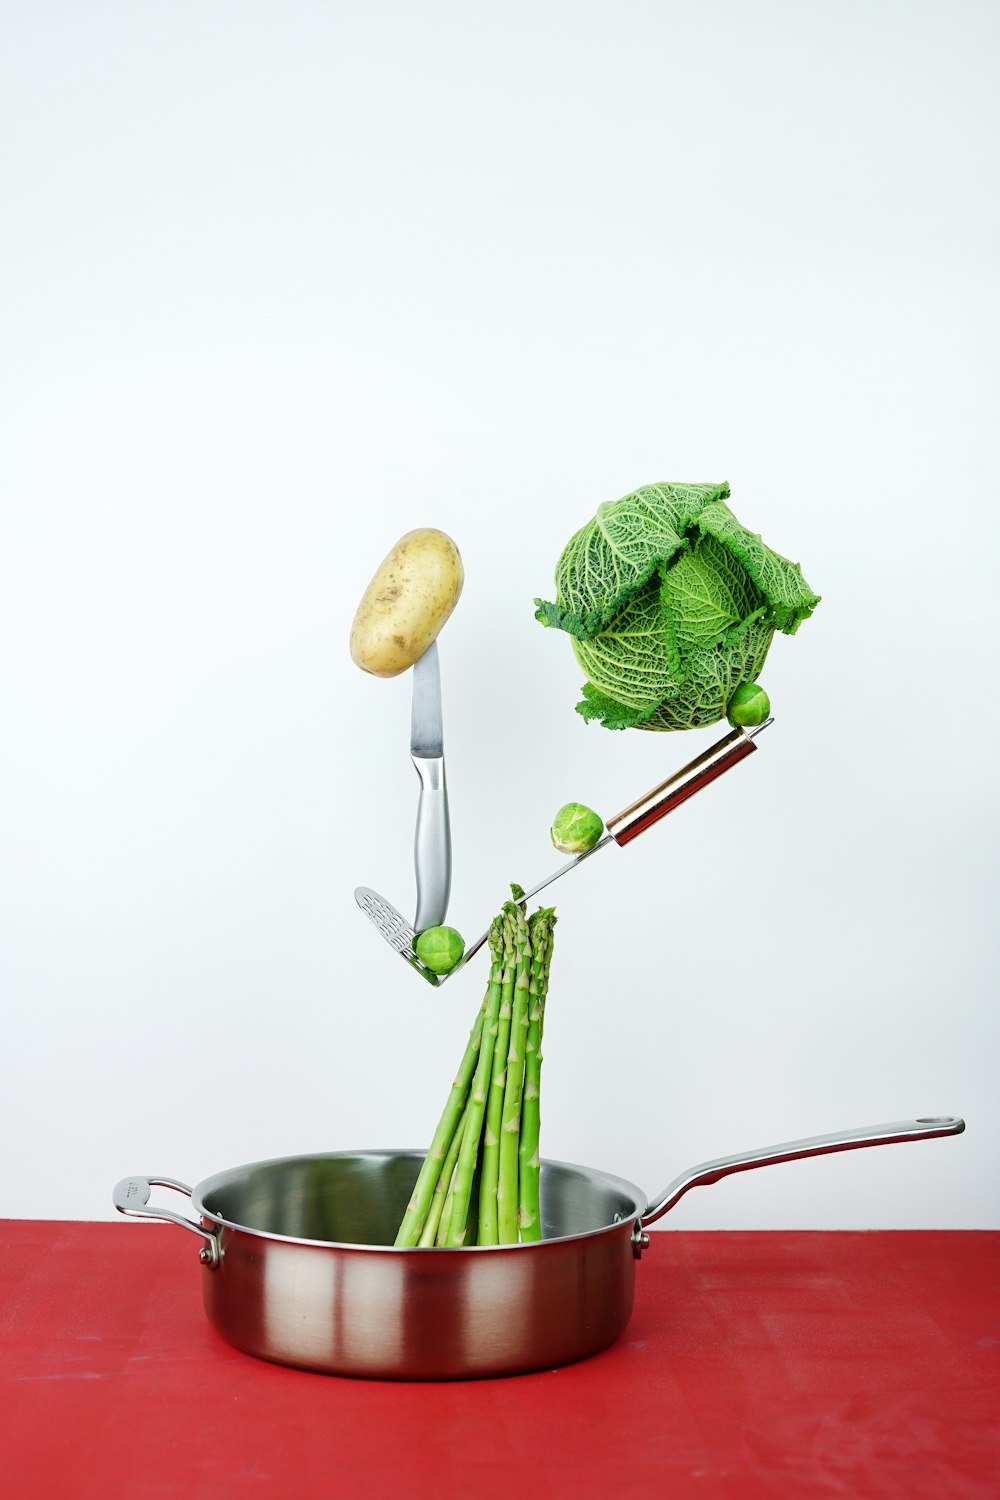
x,y
426,726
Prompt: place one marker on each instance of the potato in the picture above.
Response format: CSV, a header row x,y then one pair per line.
x,y
407,602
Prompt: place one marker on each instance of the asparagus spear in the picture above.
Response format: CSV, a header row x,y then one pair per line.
x,y
469,1152
429,1232
416,1210
529,1215
507,1204
494,1109
441,1237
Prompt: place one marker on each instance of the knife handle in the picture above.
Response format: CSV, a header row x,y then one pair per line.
x,y
432,844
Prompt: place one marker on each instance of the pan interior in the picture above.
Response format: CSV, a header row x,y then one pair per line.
x,y
358,1198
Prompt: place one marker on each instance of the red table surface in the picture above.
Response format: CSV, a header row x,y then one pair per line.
x,y
755,1365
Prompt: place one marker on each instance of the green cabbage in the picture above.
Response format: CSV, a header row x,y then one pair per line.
x,y
671,604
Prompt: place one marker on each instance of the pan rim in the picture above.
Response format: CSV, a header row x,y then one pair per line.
x,y
605,1179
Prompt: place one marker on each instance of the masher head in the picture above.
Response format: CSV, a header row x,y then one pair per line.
x,y
396,930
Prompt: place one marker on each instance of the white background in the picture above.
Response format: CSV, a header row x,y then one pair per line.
x,y
282,282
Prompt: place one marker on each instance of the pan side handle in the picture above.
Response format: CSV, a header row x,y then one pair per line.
x,y
927,1128
131,1196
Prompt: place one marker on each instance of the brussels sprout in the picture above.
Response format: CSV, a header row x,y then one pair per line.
x,y
749,705
440,948
576,829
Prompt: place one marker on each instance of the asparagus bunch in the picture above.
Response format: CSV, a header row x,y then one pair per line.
x,y
490,1125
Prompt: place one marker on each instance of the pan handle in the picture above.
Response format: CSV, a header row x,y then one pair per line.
x,y
924,1129
131,1196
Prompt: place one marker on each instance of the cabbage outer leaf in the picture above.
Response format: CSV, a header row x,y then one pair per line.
x,y
608,560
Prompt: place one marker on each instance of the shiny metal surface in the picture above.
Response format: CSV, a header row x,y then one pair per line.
x,y
894,1133
432,838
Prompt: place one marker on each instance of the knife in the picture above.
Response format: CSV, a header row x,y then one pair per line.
x,y
432,840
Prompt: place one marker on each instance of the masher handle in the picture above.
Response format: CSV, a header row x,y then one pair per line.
x,y
705,768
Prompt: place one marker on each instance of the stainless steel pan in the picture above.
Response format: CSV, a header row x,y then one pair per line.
x,y
299,1265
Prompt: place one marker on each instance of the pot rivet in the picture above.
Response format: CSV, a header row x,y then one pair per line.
x,y
205,1256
